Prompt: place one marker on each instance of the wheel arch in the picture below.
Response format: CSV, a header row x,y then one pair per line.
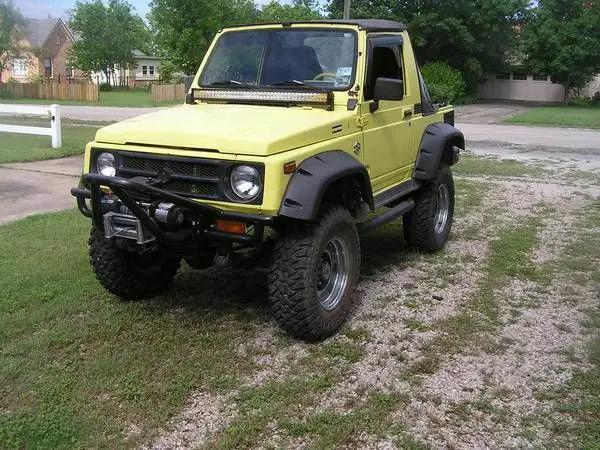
x,y
315,175
438,144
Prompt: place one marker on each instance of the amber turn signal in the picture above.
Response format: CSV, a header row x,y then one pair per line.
x,y
230,226
289,167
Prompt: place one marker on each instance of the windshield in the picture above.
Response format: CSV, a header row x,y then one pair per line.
x,y
290,57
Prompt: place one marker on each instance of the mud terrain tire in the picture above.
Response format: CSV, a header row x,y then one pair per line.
x,y
314,273
127,274
428,224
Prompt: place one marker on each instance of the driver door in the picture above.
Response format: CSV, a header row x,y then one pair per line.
x,y
386,130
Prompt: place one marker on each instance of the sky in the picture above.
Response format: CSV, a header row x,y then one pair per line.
x,y
41,9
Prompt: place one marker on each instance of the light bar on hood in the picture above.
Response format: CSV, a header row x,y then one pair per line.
x,y
324,99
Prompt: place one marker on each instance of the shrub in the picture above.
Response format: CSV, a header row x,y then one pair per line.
x,y
445,84
6,94
178,78
580,100
37,78
166,71
106,87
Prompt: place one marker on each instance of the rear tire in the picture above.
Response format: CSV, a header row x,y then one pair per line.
x,y
314,273
130,275
427,226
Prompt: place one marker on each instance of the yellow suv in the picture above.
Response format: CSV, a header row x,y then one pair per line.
x,y
294,138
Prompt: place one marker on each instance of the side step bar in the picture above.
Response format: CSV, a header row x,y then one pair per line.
x,y
391,214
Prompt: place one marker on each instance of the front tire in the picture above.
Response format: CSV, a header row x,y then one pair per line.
x,y
314,273
427,226
127,274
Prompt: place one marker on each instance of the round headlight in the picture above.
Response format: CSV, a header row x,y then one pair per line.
x,y
106,164
245,182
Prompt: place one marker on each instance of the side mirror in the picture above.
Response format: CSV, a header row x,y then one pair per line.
x,y
387,89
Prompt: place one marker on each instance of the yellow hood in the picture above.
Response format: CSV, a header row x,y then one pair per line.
x,y
240,129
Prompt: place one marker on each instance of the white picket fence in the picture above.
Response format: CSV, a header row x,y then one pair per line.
x,y
51,111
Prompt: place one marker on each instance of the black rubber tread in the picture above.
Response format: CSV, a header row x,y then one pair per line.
x,y
292,276
116,271
418,224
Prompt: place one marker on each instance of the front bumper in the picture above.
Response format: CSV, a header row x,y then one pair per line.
x,y
200,217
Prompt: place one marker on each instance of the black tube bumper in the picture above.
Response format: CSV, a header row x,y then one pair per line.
x,y
124,189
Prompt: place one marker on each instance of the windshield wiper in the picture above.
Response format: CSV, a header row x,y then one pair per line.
x,y
233,83
294,83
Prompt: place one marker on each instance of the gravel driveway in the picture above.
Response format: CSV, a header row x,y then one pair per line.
x,y
469,348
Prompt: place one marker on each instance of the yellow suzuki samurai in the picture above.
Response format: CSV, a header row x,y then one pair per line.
x,y
294,138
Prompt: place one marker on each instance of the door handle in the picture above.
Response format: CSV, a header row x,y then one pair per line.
x,y
408,112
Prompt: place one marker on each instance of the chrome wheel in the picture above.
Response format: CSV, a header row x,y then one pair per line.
x,y
443,208
333,273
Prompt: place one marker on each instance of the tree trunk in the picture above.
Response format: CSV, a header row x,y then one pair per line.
x,y
567,86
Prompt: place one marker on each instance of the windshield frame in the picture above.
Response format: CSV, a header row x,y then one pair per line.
x,y
289,29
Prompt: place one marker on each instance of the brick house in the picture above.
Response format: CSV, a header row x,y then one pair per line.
x,y
46,44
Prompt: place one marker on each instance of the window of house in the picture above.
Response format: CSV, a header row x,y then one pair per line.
x,y
503,76
151,70
48,67
539,77
144,70
387,63
20,68
519,76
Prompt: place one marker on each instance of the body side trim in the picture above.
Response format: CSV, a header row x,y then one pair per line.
x,y
311,179
437,139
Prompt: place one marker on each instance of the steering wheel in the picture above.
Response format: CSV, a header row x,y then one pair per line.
x,y
323,75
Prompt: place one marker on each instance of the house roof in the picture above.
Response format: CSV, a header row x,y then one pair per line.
x,y
38,30
365,24
138,54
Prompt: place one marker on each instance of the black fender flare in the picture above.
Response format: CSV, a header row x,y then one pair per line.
x,y
437,139
313,176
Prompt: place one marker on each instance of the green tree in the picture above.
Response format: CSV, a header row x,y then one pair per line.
x,y
297,10
10,34
562,39
184,29
108,33
445,84
470,35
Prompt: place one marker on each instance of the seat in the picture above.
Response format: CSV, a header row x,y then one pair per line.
x,y
291,63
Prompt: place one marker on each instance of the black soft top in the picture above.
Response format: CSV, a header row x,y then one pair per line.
x,y
375,25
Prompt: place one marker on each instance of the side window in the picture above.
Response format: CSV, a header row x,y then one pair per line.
x,y
386,62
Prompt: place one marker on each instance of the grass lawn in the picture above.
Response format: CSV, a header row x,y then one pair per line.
x,y
76,365
129,97
27,147
561,116
477,165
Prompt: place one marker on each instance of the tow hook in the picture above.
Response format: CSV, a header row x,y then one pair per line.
x,y
222,257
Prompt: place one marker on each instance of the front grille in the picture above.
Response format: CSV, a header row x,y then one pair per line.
x,y
196,189
191,177
151,167
199,178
